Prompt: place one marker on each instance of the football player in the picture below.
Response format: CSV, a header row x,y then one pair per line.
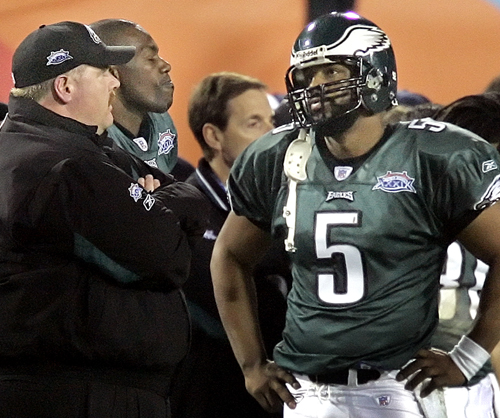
x,y
366,212
142,124
463,275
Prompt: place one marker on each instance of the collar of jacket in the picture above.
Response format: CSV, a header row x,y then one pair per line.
x,y
28,111
211,185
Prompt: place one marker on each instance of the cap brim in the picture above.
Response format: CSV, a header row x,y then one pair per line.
x,y
117,55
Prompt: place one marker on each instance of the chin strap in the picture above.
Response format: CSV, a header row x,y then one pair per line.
x,y
294,165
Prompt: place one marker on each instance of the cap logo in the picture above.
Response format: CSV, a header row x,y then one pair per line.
x,y
58,57
93,35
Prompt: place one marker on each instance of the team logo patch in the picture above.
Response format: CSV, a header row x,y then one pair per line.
x,y
395,183
340,195
491,195
141,143
152,163
93,35
358,40
135,191
489,165
384,400
341,172
166,142
58,57
149,201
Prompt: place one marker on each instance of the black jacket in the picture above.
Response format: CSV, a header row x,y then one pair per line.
x,y
90,264
199,289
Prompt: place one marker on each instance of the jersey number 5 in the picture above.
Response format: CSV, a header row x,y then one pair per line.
x,y
345,283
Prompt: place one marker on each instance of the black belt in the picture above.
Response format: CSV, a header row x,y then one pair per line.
x,y
340,377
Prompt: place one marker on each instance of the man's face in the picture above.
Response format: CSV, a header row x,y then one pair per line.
x,y
328,96
336,101
250,117
92,97
145,81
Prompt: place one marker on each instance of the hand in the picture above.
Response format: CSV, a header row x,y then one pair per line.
x,y
149,183
189,205
267,384
434,364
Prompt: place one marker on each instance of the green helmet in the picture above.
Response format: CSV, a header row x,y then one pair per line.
x,y
351,41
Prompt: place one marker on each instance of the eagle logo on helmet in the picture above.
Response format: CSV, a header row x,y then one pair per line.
x,y
361,39
357,40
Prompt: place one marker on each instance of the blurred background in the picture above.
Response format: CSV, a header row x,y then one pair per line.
x,y
445,49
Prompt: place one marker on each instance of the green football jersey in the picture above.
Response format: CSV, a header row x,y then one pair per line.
x,y
370,243
158,147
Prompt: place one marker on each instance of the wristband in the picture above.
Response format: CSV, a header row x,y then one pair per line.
x,y
469,356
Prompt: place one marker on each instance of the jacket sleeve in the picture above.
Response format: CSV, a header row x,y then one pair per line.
x,y
130,235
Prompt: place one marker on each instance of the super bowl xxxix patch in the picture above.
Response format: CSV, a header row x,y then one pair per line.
x,y
395,183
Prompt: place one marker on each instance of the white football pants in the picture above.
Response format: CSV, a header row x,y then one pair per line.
x,y
477,401
381,398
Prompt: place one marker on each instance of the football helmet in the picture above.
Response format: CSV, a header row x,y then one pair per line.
x,y
355,44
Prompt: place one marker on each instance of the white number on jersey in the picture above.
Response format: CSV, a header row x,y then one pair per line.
x,y
426,124
332,288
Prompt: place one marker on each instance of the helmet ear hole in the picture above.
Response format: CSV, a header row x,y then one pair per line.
x,y
374,80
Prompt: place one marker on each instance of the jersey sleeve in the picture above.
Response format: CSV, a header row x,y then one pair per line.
x,y
255,179
470,182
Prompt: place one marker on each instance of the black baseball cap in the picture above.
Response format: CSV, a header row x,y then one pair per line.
x,y
54,49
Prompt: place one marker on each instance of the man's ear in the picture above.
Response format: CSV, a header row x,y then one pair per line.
x,y
212,135
62,88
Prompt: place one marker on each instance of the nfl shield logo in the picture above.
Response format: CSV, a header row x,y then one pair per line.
x,y
342,172
384,400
